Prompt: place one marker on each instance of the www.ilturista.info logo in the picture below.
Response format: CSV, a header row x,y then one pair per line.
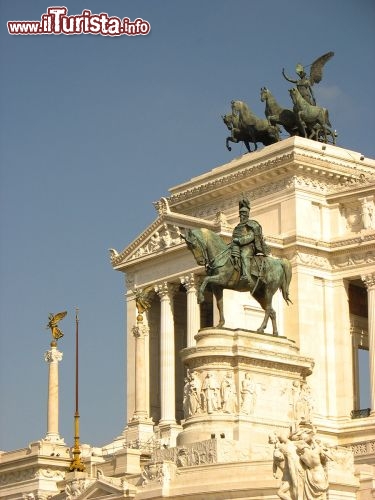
x,y
56,22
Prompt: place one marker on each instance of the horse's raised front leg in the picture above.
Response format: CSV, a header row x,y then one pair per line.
x,y
229,139
202,288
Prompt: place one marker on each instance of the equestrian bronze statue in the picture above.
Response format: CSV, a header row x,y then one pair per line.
x,y
244,265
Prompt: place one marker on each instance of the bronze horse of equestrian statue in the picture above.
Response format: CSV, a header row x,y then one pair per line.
x,y
211,251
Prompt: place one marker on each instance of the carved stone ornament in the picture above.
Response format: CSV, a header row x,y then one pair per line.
x,y
369,281
140,330
52,356
189,281
162,206
75,487
368,213
165,237
300,462
158,472
353,259
208,393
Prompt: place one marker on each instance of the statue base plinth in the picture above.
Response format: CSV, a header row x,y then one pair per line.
x,y
243,385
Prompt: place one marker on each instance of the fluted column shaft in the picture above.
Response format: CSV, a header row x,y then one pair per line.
x,y
193,310
52,357
167,354
369,280
141,411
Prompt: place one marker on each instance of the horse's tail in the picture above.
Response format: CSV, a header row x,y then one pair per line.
x,y
327,118
285,282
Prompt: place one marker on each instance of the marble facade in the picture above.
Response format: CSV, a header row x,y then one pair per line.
x,y
202,401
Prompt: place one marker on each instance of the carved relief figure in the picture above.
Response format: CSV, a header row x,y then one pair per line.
x,y
301,402
192,395
228,394
154,243
211,393
368,216
248,395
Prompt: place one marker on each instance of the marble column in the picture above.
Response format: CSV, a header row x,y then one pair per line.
x,y
140,331
193,309
167,354
52,357
369,280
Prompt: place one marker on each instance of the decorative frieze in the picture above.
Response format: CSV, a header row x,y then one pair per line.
x,y
165,237
353,259
362,448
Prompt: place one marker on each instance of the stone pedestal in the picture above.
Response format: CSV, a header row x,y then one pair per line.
x,y
242,386
140,431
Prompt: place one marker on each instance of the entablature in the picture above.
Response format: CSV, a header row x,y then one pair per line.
x,y
295,162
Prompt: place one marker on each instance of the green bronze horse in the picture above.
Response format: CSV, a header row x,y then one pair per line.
x,y
313,120
210,250
277,115
237,135
259,128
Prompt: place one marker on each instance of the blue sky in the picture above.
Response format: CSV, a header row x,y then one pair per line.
x,y
93,129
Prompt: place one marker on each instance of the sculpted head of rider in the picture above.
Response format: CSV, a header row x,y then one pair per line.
x,y
244,209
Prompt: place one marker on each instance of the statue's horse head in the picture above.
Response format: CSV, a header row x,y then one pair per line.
x,y
228,120
195,244
237,106
264,94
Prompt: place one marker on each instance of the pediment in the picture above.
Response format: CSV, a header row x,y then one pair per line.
x,y
164,235
108,488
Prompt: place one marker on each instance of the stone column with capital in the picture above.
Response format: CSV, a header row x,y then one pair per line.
x,y
167,353
141,411
369,281
193,309
52,357
140,427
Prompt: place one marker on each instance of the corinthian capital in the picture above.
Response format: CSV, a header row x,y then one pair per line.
x,y
165,289
53,356
369,280
140,330
189,281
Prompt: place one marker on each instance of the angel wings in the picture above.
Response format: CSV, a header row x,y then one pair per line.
x,y
316,70
54,319
304,83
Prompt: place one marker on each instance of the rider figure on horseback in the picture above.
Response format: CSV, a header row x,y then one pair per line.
x,y
247,241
